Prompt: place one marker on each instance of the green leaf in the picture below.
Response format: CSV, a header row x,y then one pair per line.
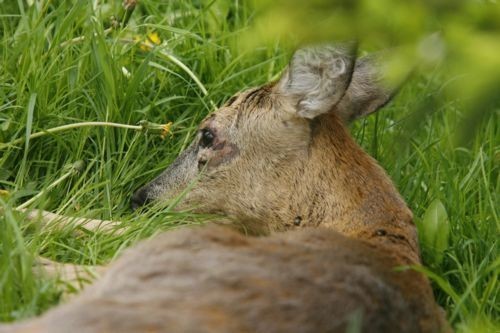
x,y
434,230
4,124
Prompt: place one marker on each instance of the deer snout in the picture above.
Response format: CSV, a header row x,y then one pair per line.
x,y
168,184
139,198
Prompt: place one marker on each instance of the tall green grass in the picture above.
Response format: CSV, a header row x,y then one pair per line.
x,y
59,66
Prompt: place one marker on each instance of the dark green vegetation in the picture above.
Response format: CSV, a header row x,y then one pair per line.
x,y
59,66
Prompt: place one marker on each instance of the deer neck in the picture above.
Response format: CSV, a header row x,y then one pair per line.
x,y
342,188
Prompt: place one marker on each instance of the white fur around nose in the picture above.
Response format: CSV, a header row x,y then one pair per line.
x,y
316,79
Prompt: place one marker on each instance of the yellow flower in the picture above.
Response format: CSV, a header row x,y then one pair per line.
x,y
149,42
165,130
154,38
4,193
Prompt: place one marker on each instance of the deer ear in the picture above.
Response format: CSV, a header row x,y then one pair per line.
x,y
317,78
367,91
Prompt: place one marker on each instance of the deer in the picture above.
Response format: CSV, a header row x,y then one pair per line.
x,y
320,239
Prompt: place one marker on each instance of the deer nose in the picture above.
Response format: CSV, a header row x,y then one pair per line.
x,y
139,199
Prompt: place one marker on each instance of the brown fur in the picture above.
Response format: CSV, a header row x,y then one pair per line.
x,y
281,159
216,280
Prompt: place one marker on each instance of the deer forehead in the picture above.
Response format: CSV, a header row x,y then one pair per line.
x,y
259,118
238,110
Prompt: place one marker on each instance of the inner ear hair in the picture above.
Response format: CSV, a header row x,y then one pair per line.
x,y
317,78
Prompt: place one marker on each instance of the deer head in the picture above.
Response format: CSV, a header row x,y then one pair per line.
x,y
279,156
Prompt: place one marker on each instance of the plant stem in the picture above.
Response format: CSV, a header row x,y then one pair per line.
x,y
74,168
126,11
143,126
180,64
70,126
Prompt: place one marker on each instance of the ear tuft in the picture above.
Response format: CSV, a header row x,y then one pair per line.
x,y
317,78
367,92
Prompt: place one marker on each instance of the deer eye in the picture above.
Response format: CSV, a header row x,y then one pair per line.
x,y
207,138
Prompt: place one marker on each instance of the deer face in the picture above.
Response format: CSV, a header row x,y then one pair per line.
x,y
237,157
252,153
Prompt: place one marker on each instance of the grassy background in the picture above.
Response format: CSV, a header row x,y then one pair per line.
x,y
46,82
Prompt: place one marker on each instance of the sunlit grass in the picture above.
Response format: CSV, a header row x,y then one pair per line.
x,y
107,77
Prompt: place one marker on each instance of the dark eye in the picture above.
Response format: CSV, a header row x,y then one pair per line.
x,y
207,138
